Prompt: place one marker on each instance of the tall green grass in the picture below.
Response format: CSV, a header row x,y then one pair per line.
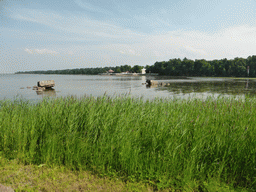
x,y
169,143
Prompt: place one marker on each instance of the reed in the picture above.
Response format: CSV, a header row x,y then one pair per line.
x,y
168,143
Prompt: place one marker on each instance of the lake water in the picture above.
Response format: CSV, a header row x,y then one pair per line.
x,y
15,85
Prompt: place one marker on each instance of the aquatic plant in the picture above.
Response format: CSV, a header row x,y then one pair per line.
x,y
164,142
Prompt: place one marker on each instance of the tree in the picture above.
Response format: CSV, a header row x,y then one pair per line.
x,y
187,66
177,68
218,68
118,70
239,67
227,66
207,69
251,62
137,68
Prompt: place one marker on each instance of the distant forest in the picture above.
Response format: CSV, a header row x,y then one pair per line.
x,y
236,67
89,71
219,68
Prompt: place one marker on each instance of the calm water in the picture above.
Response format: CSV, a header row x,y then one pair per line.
x,y
15,85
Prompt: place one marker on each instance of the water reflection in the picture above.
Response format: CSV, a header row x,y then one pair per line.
x,y
211,86
47,93
111,78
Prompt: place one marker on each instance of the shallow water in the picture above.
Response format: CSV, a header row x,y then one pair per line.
x,y
15,85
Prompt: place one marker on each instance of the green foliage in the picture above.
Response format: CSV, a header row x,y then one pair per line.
x,y
88,71
137,69
220,68
176,67
178,143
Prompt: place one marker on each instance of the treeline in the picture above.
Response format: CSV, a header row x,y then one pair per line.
x,y
221,68
89,71
236,67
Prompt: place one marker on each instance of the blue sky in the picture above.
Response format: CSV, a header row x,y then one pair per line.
x,y
61,34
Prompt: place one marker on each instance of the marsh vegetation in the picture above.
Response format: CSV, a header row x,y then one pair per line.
x,y
177,144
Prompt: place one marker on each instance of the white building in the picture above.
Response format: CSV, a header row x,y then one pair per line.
x,y
143,71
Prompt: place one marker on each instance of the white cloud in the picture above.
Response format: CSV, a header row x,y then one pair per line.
x,y
112,41
130,52
189,48
29,51
40,51
90,7
76,27
231,42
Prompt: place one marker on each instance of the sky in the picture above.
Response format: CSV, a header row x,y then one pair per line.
x,y
68,34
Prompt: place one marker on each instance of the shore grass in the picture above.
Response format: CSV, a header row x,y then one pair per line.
x,y
176,144
45,178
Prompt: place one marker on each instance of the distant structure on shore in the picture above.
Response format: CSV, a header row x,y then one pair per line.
x,y
111,72
118,70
